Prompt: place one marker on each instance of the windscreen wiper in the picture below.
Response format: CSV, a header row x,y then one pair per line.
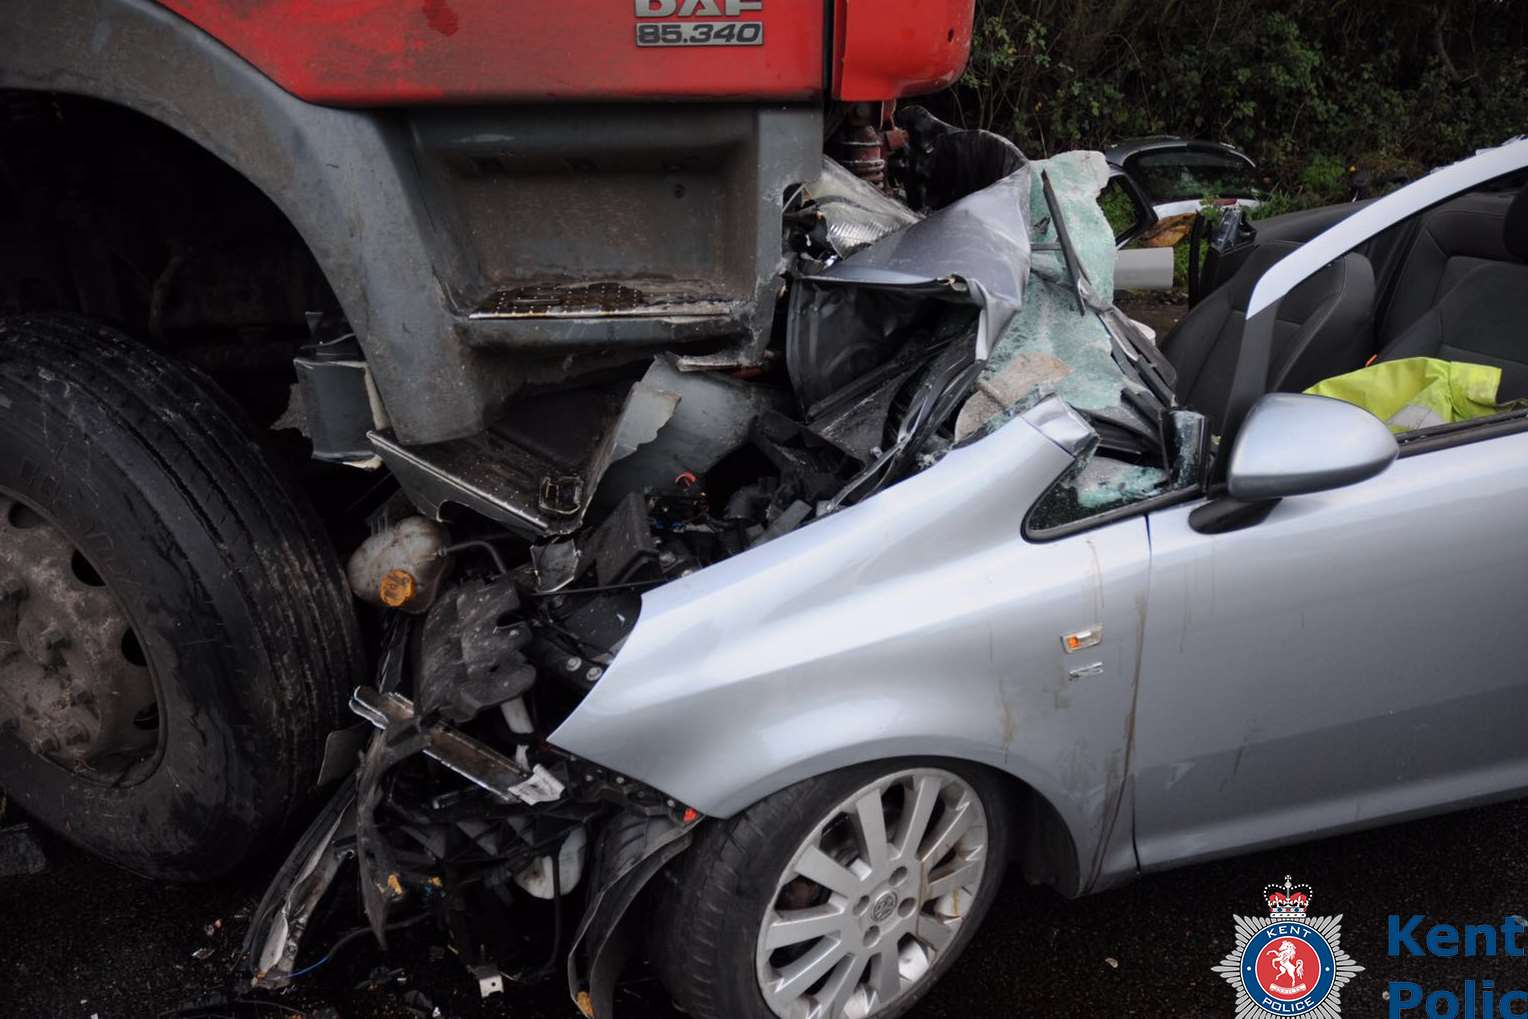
x,y
1069,253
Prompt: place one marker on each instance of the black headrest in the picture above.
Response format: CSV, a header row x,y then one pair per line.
x,y
1515,229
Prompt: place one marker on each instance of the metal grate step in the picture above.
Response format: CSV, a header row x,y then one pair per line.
x,y
603,299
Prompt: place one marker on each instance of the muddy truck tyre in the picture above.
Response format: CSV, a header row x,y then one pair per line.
x,y
176,638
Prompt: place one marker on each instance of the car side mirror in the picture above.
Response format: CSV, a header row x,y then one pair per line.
x,y
1293,444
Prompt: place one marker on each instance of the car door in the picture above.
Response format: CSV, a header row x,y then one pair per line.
x,y
1358,655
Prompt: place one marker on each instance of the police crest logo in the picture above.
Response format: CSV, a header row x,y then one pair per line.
x,y
1288,963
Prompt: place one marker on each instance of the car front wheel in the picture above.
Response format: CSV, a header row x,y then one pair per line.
x,y
844,896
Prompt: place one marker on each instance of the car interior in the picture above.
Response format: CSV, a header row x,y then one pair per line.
x,y
1450,283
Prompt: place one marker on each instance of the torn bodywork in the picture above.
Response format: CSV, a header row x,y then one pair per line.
x,y
439,823
905,334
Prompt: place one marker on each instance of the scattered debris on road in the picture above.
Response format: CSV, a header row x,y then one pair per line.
x,y
20,852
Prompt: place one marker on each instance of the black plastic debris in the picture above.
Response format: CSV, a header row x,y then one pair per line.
x,y
946,163
419,1004
20,852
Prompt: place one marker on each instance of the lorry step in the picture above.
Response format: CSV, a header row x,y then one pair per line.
x,y
637,298
536,468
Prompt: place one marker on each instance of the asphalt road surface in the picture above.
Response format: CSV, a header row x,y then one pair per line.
x,y
85,940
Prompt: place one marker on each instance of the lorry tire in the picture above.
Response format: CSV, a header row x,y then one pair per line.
x,y
176,637
844,895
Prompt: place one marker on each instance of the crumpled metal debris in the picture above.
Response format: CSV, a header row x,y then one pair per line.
x,y
975,251
894,319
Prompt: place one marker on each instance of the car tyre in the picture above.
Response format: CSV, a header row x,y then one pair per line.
x,y
162,542
743,934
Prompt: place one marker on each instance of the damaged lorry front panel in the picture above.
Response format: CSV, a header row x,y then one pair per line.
x,y
920,622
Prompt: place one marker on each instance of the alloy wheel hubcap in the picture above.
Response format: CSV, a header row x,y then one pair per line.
x,y
75,687
873,897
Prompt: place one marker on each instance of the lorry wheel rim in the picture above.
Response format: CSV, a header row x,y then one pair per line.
x,y
873,897
75,685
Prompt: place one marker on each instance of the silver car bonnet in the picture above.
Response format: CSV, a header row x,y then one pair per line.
x,y
741,678
917,623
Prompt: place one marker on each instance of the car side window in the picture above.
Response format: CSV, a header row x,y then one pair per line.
x,y
1099,488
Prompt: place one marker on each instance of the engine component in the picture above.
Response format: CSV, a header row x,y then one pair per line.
x,y
543,882
553,565
711,420
470,652
858,143
622,548
400,566
470,758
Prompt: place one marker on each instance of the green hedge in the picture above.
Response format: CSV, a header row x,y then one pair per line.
x,y
1322,93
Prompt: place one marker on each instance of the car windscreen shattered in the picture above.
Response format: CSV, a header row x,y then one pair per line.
x,y
1068,339
1050,342
1035,254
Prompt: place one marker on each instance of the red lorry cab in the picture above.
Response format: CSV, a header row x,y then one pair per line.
x,y
405,52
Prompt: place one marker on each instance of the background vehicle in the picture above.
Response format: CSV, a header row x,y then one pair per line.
x,y
1173,178
1178,174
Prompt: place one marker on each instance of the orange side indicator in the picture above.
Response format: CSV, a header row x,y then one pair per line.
x,y
1079,639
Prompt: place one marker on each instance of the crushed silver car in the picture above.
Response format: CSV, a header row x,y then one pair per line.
x,y
975,573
